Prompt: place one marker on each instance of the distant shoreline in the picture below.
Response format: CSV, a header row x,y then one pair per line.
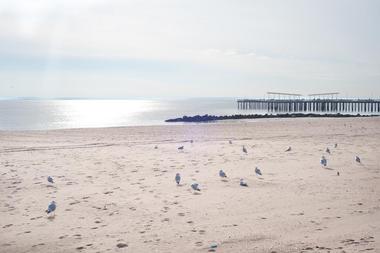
x,y
211,118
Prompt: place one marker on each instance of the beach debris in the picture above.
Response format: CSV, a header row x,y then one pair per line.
x,y
51,207
258,171
337,173
357,159
191,141
243,183
222,173
195,187
177,178
324,161
50,179
288,149
328,151
181,148
336,145
230,142
121,245
245,150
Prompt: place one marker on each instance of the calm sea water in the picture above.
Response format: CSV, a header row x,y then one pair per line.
x,y
59,114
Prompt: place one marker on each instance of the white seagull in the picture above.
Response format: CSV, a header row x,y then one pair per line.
x,y
51,208
357,159
222,173
289,149
50,179
181,148
244,150
258,171
177,178
328,150
324,161
242,183
195,187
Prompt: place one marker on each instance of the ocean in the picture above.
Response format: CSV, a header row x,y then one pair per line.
x,y
84,113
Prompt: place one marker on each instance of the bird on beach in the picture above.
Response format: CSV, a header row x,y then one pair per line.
x,y
222,173
258,171
337,173
289,149
357,159
51,208
324,161
242,183
328,151
336,145
50,179
177,178
195,187
245,150
181,148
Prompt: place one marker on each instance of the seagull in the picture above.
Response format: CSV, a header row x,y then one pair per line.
x,y
337,173
222,173
51,208
336,145
181,148
357,159
242,183
230,142
177,178
50,179
328,150
289,149
324,161
258,171
244,150
195,187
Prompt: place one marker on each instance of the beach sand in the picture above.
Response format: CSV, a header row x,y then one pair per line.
x,y
116,193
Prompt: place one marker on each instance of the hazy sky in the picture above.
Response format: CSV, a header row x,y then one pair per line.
x,y
186,48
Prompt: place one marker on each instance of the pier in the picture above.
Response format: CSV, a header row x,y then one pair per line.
x,y
324,102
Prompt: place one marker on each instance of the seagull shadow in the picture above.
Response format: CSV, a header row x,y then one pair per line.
x,y
328,168
224,180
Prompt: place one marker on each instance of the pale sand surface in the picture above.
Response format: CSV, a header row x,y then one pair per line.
x,y
113,187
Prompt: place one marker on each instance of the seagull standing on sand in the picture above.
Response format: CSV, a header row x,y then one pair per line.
x,y
245,150
324,161
195,187
50,179
328,151
289,149
177,178
336,145
357,159
222,173
242,183
181,148
258,171
51,208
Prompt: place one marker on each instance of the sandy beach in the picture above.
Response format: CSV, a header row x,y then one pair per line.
x,y
115,191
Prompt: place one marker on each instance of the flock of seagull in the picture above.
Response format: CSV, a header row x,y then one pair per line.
x,y
222,174
195,186
324,159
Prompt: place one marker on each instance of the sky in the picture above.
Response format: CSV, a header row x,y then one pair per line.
x,y
188,48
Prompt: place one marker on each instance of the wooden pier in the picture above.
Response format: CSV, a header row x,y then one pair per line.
x,y
326,105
